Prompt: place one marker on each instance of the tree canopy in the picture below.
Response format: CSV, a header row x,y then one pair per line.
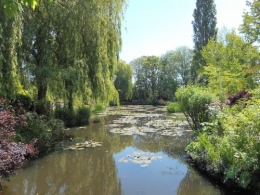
x,y
62,49
231,64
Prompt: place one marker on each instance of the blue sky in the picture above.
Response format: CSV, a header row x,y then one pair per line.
x,y
153,27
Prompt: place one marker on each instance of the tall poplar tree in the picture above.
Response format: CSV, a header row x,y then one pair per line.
x,y
204,28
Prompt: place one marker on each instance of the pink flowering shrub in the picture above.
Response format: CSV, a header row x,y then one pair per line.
x,y
12,154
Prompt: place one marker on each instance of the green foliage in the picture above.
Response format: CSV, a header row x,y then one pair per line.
x,y
250,27
66,115
204,28
97,108
123,82
73,118
24,100
234,152
83,115
12,7
177,64
192,101
146,72
10,40
47,132
230,64
173,107
43,107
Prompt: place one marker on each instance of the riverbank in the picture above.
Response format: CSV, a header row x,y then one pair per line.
x,y
219,178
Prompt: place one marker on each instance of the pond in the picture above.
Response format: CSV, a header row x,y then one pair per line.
x,y
136,150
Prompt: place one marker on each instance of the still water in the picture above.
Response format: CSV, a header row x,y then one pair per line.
x,y
142,153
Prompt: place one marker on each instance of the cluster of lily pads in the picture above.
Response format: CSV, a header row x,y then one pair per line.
x,y
143,159
130,124
70,145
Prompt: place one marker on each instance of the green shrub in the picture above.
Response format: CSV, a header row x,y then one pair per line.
x,y
24,100
42,107
47,132
173,107
83,115
192,102
97,108
66,115
235,152
73,118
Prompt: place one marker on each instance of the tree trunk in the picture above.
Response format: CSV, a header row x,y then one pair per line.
x,y
42,91
1,188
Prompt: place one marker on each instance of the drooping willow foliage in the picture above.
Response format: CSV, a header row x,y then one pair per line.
x,y
68,49
10,32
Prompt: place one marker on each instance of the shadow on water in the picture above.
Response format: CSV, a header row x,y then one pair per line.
x,y
141,154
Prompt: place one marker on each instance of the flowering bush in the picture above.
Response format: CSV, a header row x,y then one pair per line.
x,y
230,145
12,154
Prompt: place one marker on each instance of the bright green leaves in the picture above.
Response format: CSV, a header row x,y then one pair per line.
x,y
229,63
192,101
12,7
250,27
123,81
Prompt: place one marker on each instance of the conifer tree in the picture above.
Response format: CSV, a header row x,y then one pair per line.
x,y
204,28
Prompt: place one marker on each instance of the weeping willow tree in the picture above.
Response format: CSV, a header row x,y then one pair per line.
x,y
71,48
10,36
88,42
123,81
37,59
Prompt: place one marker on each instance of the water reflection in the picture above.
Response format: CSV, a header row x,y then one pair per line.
x,y
136,164
91,171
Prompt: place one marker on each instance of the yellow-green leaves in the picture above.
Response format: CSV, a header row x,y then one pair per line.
x,y
229,63
12,6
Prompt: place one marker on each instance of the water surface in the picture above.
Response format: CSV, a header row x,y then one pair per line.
x,y
142,153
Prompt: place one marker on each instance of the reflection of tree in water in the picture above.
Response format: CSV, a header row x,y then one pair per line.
x,y
151,142
172,146
112,142
195,184
91,171
176,147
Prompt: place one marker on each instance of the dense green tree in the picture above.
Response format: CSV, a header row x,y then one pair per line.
x,y
204,28
250,27
168,76
38,46
141,90
96,42
180,62
183,64
71,48
231,64
123,81
146,73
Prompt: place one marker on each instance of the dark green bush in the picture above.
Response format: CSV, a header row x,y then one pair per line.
x,y
43,107
66,115
82,116
73,118
23,100
47,132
